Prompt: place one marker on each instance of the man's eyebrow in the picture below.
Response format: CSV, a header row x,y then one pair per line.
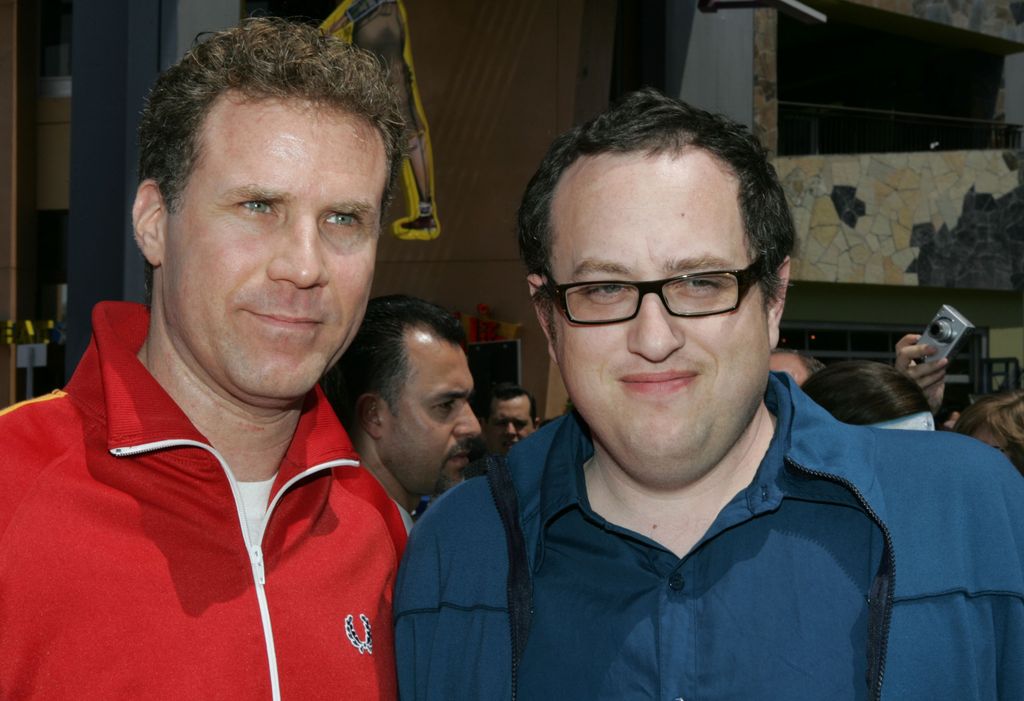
x,y
697,264
357,207
255,193
591,266
258,193
453,394
675,266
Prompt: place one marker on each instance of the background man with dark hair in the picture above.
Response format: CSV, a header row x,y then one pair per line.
x,y
512,416
186,519
403,389
698,528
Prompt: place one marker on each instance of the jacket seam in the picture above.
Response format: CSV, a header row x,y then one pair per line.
x,y
56,394
447,605
960,591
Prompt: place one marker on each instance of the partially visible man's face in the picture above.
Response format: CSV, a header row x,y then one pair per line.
x,y
789,363
666,398
426,438
263,273
508,423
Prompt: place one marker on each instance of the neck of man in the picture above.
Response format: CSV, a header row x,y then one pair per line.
x,y
371,460
252,440
676,517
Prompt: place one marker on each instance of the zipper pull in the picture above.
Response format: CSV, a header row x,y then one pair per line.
x,y
257,564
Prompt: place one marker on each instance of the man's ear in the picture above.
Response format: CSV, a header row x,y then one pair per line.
x,y
149,220
776,307
544,310
369,414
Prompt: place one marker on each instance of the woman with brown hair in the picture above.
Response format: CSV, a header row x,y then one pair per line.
x,y
865,392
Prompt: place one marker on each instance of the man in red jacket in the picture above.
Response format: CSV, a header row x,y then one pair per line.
x,y
186,519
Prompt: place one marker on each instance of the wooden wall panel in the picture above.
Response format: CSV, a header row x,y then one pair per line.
x,y
498,81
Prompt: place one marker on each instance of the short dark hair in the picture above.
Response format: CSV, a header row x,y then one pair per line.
x,y
650,123
504,391
262,58
376,360
865,392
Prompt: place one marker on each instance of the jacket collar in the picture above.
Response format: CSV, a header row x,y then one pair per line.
x,y
819,445
811,456
112,385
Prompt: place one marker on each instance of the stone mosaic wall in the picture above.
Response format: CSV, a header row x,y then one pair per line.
x,y
951,219
998,18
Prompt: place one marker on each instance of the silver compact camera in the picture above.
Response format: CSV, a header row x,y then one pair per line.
x,y
946,332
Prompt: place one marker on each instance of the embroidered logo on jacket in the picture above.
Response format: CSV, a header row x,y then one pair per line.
x,y
362,644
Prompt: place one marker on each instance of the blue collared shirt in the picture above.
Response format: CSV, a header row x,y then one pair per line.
x,y
782,575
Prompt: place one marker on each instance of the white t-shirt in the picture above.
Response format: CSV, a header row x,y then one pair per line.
x,y
255,498
406,516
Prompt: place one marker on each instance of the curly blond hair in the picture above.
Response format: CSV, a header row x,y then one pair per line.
x,y
1003,415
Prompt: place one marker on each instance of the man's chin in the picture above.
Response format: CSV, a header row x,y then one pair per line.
x,y
451,474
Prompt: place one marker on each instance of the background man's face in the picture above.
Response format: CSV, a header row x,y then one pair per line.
x,y
508,423
426,437
264,272
790,363
665,397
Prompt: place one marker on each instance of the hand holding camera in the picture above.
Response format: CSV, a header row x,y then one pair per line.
x,y
924,357
947,332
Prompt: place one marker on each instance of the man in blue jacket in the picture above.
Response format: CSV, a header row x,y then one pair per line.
x,y
698,528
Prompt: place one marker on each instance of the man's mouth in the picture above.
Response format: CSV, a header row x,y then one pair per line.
x,y
459,457
286,321
664,382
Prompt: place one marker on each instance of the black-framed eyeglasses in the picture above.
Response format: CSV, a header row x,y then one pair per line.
x,y
695,294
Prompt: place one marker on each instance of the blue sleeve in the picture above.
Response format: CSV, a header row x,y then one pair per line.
x,y
452,638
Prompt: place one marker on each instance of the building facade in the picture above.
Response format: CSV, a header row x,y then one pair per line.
x,y
895,129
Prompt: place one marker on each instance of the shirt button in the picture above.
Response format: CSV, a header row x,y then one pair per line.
x,y
676,581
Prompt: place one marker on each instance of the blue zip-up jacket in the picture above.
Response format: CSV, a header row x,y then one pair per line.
x,y
946,608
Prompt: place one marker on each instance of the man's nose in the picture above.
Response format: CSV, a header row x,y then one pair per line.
x,y
299,259
468,424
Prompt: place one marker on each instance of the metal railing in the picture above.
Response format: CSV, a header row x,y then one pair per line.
x,y
807,129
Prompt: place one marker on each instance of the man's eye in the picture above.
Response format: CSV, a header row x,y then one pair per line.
x,y
704,283
702,286
607,292
447,408
340,219
257,207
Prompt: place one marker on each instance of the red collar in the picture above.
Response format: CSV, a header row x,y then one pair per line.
x,y
110,382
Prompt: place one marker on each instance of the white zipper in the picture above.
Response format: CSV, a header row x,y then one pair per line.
x,y
254,550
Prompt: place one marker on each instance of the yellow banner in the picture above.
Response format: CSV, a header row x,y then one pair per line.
x,y
29,331
382,27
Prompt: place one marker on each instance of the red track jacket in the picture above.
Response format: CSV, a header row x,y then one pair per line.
x,y
125,571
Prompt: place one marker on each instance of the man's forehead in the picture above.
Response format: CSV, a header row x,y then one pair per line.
x,y
222,119
606,193
589,167
519,404
434,360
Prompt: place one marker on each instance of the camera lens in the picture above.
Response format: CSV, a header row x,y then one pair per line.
x,y
941,330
